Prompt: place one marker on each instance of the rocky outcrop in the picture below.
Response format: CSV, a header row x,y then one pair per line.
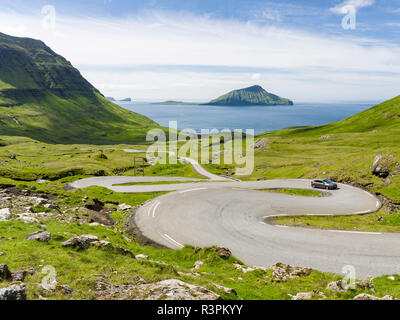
x,y
42,236
14,292
99,213
283,272
175,290
164,290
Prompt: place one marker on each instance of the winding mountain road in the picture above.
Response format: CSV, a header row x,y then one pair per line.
x,y
236,215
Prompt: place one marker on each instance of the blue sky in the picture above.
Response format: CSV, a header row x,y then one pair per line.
x,y
158,49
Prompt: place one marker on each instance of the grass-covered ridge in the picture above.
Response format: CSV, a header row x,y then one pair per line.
x,y
42,96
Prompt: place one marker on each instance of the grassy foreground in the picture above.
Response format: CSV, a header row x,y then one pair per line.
x,y
82,269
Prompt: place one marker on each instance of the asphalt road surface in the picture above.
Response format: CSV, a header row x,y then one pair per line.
x,y
236,215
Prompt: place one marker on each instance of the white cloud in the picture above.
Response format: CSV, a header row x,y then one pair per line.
x,y
393,24
271,14
292,63
357,4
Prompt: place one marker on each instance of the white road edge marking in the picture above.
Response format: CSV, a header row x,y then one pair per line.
x,y
362,212
190,190
355,232
155,208
165,236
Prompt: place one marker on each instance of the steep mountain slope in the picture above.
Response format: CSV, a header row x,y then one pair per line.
x,y
254,95
42,96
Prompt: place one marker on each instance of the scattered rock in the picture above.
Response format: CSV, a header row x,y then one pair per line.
x,y
227,290
2,253
388,181
19,276
43,236
308,295
197,250
198,265
142,257
52,206
5,214
261,144
96,206
64,289
343,286
41,181
340,286
14,292
103,156
381,166
125,252
5,273
83,241
364,285
283,272
224,253
101,244
365,296
28,219
327,137
124,207
243,268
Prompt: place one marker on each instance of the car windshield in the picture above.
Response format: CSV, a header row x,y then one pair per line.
x,y
327,181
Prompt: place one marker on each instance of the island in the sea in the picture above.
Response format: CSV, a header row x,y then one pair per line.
x,y
172,102
123,100
251,96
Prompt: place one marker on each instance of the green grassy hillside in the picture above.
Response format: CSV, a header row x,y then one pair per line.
x,y
383,117
42,96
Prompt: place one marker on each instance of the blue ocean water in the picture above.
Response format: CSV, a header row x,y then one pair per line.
x,y
259,118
